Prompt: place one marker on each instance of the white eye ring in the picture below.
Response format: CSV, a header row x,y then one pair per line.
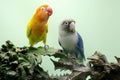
x,y
42,9
66,23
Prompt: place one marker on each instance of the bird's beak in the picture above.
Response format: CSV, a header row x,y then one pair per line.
x,y
72,27
49,11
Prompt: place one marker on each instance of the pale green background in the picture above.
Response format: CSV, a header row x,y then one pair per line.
x,y
98,22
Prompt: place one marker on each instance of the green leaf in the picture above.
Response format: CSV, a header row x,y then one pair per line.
x,y
38,58
11,73
14,62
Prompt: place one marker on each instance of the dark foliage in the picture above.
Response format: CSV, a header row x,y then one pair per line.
x,y
23,63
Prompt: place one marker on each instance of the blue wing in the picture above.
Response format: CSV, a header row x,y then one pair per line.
x,y
80,47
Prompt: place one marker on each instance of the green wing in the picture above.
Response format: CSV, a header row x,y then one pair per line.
x,y
29,30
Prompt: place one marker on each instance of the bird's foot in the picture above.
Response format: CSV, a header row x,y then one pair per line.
x,y
46,47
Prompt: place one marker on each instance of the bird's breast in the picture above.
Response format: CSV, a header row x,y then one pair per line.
x,y
68,42
38,29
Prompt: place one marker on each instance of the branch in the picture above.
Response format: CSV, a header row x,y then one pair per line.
x,y
23,63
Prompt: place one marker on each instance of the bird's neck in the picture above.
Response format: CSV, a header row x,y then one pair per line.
x,y
39,22
64,33
41,19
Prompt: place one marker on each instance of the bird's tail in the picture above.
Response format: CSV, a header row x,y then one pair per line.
x,y
80,58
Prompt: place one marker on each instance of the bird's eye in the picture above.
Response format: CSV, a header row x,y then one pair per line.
x,y
42,9
66,23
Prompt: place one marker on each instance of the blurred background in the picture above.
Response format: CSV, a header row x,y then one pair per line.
x,y
98,22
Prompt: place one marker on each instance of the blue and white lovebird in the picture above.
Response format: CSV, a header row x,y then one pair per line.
x,y
70,40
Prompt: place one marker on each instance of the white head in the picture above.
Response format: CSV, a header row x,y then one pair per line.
x,y
67,25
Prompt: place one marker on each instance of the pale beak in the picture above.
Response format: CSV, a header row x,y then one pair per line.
x,y
72,26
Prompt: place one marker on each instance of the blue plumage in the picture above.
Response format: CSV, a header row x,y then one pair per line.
x,y
80,47
70,40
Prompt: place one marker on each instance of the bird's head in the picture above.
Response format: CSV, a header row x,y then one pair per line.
x,y
68,25
43,12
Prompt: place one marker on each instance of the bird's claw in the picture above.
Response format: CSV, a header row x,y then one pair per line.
x,y
46,47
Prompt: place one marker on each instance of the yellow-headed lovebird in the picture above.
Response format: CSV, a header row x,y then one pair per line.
x,y
70,40
37,28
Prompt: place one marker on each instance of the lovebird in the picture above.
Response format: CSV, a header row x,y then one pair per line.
x,y
70,40
37,27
